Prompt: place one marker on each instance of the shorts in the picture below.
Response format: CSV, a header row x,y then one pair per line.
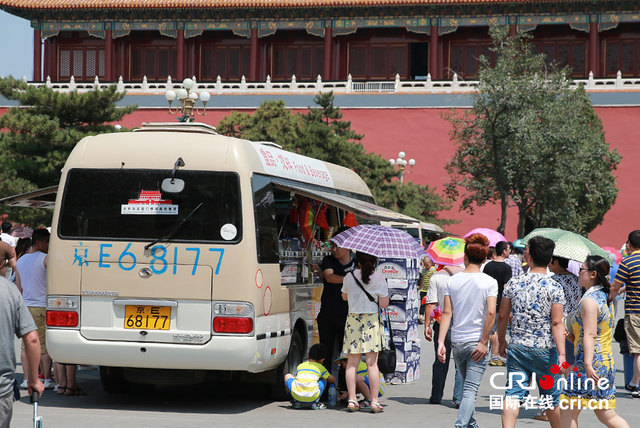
x,y
523,362
568,349
40,318
321,385
381,389
632,328
6,410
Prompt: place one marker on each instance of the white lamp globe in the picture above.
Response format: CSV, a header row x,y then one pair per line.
x,y
193,96
401,155
170,95
188,83
205,96
412,162
392,162
182,94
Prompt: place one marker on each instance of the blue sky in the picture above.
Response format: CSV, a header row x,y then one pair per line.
x,y
16,49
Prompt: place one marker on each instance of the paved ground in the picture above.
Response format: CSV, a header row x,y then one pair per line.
x,y
406,406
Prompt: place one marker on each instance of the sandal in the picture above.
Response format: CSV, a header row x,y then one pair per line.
x,y
74,391
376,407
352,406
541,416
365,406
61,390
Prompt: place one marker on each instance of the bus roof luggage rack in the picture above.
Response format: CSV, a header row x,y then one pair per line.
x,y
196,127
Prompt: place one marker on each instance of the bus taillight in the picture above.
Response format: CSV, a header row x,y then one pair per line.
x,y
238,325
62,319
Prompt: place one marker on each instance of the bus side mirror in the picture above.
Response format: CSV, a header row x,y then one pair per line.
x,y
172,185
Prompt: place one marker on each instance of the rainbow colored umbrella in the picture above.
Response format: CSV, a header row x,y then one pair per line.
x,y
447,251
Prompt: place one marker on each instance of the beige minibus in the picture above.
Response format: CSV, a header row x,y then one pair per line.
x,y
177,253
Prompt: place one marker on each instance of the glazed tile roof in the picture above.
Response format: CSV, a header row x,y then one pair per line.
x,y
230,4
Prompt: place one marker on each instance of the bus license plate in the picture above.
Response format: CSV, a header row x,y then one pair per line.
x,y
147,317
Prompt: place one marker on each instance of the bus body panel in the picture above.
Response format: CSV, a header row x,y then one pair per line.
x,y
194,275
246,353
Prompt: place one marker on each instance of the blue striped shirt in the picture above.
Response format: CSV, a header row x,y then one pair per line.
x,y
629,274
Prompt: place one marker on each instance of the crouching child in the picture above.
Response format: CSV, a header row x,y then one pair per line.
x,y
310,380
362,384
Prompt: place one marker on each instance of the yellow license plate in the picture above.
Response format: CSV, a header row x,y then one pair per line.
x,y
147,317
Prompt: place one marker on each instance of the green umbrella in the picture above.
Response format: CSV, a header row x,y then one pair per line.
x,y
569,245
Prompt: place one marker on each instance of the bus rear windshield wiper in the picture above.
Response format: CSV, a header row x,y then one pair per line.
x,y
171,234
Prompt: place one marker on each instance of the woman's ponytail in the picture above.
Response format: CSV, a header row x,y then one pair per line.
x,y
367,264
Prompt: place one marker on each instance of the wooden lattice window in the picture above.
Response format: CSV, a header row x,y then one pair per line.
x,y
228,62
83,63
464,58
622,55
572,53
305,61
380,61
154,62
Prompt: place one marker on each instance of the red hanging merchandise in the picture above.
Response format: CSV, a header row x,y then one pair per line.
x,y
350,220
321,218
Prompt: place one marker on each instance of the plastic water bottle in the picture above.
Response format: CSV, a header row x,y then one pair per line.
x,y
332,395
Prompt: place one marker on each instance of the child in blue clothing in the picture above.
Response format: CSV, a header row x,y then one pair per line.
x,y
311,378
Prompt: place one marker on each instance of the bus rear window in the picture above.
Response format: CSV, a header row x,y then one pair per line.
x,y
124,204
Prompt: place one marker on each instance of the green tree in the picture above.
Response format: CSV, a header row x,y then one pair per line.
x,y
533,141
38,136
322,134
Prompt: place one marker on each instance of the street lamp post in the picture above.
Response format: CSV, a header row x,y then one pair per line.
x,y
187,100
402,164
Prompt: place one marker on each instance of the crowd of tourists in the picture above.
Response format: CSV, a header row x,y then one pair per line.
x,y
23,281
548,326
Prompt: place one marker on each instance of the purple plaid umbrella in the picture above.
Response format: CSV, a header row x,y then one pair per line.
x,y
380,241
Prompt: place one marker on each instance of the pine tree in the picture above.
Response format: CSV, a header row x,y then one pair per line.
x,y
38,135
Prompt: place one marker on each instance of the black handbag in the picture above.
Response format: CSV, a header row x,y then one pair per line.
x,y
386,357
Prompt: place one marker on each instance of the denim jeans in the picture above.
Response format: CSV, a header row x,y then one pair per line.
x,y
471,373
527,360
457,388
440,370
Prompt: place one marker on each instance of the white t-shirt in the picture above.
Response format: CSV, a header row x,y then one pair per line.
x,y
359,303
11,240
469,292
437,284
33,276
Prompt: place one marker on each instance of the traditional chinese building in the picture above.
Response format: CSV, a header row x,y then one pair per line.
x,y
368,39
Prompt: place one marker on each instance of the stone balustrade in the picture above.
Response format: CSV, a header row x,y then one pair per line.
x,y
349,86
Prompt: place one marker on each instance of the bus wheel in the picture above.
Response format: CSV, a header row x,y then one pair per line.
x,y
294,357
113,381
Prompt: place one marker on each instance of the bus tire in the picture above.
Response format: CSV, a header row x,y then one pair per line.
x,y
294,357
113,381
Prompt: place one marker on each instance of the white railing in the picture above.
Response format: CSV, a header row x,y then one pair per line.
x,y
344,87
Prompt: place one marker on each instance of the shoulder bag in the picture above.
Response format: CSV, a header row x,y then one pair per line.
x,y
386,357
